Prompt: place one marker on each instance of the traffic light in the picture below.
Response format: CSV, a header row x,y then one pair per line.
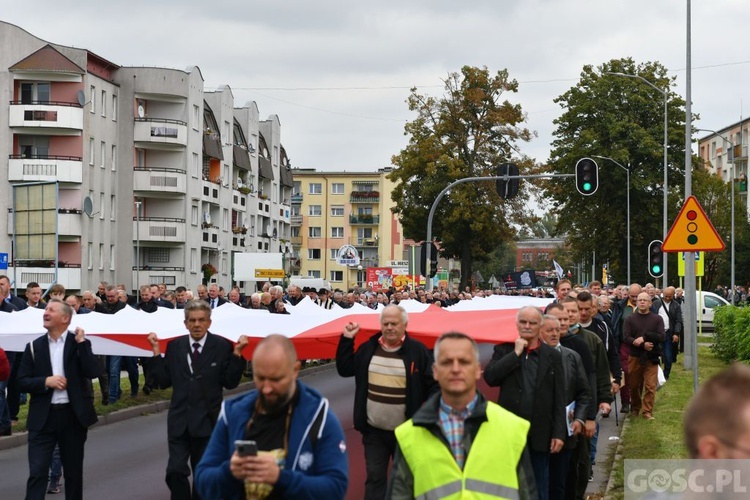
x,y
587,176
655,259
507,188
433,260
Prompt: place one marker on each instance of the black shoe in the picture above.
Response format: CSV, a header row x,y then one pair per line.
x,y
146,390
625,409
591,475
6,432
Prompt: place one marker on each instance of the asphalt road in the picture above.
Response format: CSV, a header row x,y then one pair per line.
x,y
127,460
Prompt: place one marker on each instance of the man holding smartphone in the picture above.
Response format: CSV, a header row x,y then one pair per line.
x,y
280,441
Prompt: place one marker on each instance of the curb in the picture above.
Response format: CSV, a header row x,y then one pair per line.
x,y
21,439
618,456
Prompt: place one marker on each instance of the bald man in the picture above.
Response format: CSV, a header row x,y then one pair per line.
x,y
301,452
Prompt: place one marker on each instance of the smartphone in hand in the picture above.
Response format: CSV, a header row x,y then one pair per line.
x,y
246,448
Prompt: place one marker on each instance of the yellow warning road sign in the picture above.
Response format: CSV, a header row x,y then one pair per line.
x,y
692,231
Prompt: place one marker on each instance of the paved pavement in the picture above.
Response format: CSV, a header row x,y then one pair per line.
x,y
610,430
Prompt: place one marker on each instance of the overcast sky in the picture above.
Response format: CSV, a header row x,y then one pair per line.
x,y
337,73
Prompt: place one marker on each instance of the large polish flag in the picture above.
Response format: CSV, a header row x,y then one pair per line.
x,y
314,331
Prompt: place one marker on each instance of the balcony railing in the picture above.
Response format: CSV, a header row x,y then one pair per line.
x,y
46,114
159,180
363,242
364,219
364,197
296,220
163,131
45,168
297,198
166,229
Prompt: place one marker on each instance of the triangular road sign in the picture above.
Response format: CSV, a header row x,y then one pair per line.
x,y
692,231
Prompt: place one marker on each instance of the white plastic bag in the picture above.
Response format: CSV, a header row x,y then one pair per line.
x,y
660,378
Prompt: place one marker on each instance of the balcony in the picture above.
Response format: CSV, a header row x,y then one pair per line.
x,y
60,118
739,152
364,197
150,275
44,273
211,191
45,169
159,180
159,229
210,237
239,201
296,240
69,223
296,220
296,198
364,220
363,242
160,133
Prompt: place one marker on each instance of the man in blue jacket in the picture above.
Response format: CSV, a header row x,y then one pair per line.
x,y
300,442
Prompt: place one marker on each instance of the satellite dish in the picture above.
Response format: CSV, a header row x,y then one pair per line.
x,y
81,96
141,111
207,217
239,182
88,207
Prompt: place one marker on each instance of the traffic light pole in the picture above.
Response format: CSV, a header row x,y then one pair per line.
x,y
506,178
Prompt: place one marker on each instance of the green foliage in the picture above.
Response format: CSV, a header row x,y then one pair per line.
x,y
621,118
732,333
465,133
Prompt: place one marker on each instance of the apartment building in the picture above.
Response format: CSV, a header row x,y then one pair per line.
x,y
332,209
148,177
726,155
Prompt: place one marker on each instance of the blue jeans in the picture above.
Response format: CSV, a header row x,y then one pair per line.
x,y
115,364
4,412
55,467
592,446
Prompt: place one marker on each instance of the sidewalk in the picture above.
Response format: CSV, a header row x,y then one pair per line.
x,y
610,430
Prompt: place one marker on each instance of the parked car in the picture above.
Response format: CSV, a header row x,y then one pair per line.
x,y
705,304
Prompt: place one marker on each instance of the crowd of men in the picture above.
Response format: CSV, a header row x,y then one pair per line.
x,y
427,431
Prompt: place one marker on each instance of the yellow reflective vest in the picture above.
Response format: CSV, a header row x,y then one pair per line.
x,y
491,464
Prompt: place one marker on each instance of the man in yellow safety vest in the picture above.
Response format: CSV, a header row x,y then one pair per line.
x,y
458,444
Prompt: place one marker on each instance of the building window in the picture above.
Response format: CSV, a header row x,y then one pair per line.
x,y
90,255
114,158
104,103
315,211
225,219
314,232
225,133
114,107
193,260
92,98
295,232
196,170
35,93
334,253
103,152
101,206
101,256
313,274
313,253
337,232
112,207
337,188
197,122
316,188
92,151
111,257
337,275
194,214
337,211
158,255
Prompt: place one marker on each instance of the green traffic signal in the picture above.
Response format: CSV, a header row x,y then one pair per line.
x,y
587,176
655,257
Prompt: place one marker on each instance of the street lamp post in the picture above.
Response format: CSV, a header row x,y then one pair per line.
x,y
665,94
731,183
627,171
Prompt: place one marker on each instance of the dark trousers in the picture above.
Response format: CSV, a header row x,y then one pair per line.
x,y
540,464
580,467
14,397
380,446
181,449
62,428
624,390
559,464
669,349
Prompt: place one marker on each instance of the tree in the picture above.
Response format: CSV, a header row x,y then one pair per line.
x,y
465,133
621,118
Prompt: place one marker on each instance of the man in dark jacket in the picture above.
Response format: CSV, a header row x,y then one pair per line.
x,y
111,305
197,366
531,380
393,377
643,332
671,312
56,369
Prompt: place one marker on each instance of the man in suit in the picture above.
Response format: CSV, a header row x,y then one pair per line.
x,y
197,367
56,369
531,380
213,296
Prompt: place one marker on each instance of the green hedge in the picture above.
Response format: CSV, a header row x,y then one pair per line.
x,y
732,334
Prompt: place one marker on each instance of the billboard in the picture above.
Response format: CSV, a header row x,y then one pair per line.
x,y
382,278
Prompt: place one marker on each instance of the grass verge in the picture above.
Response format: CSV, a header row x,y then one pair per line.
x,y
662,438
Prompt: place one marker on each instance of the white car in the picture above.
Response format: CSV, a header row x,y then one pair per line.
x,y
705,304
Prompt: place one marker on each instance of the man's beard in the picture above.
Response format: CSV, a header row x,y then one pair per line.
x,y
274,407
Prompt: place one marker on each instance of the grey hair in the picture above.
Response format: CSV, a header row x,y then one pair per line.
x,y
197,305
455,335
404,314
